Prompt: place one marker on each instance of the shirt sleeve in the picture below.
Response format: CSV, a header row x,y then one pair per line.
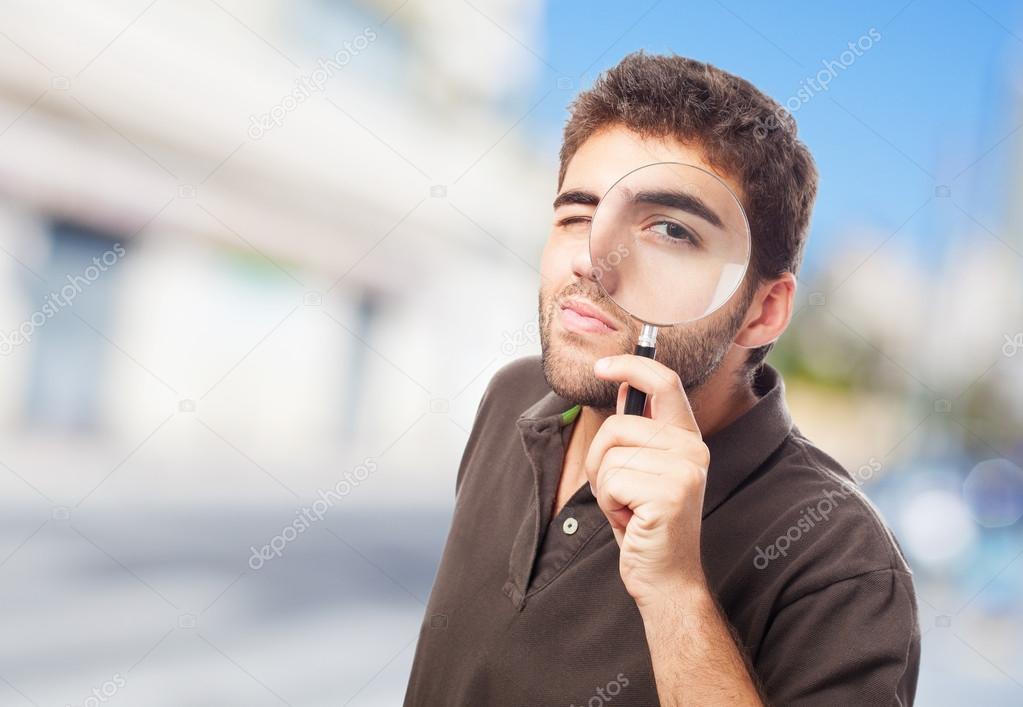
x,y
854,642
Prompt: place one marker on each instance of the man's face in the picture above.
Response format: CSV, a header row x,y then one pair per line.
x,y
570,340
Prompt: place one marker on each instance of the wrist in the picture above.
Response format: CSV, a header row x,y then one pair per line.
x,y
685,595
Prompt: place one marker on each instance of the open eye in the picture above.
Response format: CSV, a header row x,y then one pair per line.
x,y
673,232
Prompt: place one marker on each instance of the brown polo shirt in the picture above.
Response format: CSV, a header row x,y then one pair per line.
x,y
529,610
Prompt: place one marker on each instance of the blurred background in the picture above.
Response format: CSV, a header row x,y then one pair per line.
x,y
259,257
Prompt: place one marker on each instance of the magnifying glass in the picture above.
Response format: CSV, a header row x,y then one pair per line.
x,y
669,244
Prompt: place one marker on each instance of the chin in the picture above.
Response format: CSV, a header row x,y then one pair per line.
x,y
569,373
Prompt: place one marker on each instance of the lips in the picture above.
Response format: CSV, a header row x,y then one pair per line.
x,y
588,313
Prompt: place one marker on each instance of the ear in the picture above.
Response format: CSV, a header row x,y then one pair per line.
x,y
769,312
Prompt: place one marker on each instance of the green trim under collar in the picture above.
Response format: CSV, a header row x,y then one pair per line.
x,y
568,417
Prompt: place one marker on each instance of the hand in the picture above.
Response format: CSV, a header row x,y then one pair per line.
x,y
648,475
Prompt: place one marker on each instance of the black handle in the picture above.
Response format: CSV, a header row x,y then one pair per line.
x,y
635,399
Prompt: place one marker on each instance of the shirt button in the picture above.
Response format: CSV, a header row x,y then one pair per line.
x,y
570,526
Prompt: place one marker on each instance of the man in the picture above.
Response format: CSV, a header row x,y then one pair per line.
x,y
706,553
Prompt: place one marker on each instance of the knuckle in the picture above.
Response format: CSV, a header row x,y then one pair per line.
x,y
604,497
613,487
676,382
608,433
670,382
693,479
618,462
700,455
617,457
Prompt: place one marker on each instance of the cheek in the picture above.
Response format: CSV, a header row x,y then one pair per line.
x,y
555,263
712,327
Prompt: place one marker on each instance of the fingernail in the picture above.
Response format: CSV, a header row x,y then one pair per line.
x,y
602,365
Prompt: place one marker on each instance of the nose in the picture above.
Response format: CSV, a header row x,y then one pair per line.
x,y
582,267
604,272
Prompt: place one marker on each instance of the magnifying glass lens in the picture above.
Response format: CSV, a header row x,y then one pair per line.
x,y
669,243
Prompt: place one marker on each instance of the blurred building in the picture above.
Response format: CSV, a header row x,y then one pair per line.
x,y
299,188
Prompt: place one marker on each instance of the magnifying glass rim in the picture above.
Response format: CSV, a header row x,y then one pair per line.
x,y
745,220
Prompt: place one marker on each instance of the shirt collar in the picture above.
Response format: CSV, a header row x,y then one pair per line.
x,y
736,450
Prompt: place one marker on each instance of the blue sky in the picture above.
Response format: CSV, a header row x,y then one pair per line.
x,y
923,104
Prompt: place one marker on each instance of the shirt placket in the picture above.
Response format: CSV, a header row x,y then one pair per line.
x,y
544,547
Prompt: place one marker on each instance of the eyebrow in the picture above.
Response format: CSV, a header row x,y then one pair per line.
x,y
682,201
576,196
673,199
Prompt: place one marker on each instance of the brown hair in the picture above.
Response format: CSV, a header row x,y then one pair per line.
x,y
739,131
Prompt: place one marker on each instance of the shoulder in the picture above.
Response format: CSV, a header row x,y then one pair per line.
x,y
839,594
527,370
511,390
813,525
515,386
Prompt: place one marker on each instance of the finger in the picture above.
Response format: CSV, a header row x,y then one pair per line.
x,y
639,474
670,477
666,397
633,482
635,431
626,483
651,462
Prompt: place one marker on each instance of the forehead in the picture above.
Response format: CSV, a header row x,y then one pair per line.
x,y
611,153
